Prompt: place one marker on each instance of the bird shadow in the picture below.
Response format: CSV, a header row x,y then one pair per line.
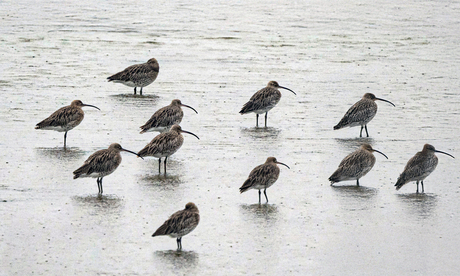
x,y
162,181
420,204
177,258
71,153
261,132
354,143
266,211
101,202
355,198
356,191
136,100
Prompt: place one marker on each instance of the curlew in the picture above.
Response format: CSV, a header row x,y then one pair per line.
x,y
138,75
164,118
180,224
263,176
65,118
165,145
264,100
101,163
355,165
419,167
361,113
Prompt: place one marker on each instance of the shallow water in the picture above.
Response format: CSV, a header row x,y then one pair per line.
x,y
214,57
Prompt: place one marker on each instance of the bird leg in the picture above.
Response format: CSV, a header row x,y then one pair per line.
x,y
65,139
259,196
357,182
179,243
141,91
417,187
166,158
265,193
361,132
159,165
257,120
365,127
423,190
135,91
266,114
99,185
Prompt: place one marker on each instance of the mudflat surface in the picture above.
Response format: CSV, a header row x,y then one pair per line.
x,y
213,57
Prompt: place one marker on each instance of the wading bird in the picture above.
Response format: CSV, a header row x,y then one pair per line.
x,y
361,113
264,100
65,118
180,224
101,163
355,165
263,176
138,75
420,166
165,145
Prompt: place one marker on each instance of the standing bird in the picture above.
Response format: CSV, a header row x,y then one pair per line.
x,y
165,145
264,100
355,165
180,223
164,118
101,163
263,176
65,118
361,113
138,75
419,167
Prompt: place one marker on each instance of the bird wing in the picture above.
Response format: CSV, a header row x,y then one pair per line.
x,y
164,117
177,222
358,112
61,117
132,73
261,99
258,175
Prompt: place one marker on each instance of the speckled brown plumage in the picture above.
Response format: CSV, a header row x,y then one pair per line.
x,y
138,75
264,100
101,163
180,224
164,118
263,176
65,118
360,113
165,144
419,167
355,165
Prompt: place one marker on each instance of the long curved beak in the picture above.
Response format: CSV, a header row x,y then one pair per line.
x,y
190,133
385,101
444,153
282,164
380,153
132,153
287,89
91,106
190,108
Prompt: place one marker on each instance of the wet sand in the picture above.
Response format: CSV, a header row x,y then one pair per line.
x,y
214,57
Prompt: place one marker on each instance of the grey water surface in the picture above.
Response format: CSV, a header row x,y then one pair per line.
x,y
213,56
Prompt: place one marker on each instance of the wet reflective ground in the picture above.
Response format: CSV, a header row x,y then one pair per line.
x,y
213,57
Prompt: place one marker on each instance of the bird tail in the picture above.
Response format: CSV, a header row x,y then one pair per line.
x,y
143,152
341,124
401,181
117,76
82,170
246,186
163,230
247,107
334,178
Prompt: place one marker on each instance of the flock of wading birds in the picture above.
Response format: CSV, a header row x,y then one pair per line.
x,y
166,120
